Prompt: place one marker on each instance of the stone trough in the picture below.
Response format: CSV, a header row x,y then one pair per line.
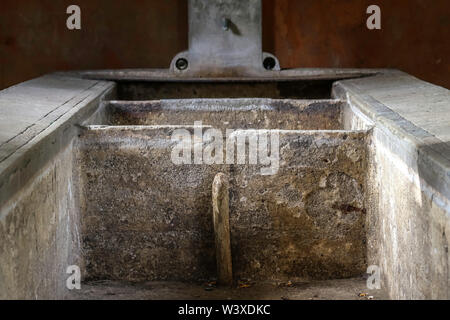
x,y
148,183
89,179
146,218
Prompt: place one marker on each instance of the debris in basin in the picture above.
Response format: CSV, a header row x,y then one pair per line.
x,y
210,286
362,294
286,284
242,284
365,295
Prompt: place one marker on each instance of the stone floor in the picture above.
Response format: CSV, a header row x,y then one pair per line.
x,y
343,289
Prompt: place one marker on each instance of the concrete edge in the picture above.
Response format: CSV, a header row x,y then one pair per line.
x,y
284,74
416,145
18,168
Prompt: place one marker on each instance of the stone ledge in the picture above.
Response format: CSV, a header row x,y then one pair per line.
x,y
397,103
37,117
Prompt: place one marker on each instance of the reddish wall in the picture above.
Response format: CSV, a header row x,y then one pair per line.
x,y
414,35
146,33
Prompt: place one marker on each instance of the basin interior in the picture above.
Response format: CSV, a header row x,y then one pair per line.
x,y
294,89
257,113
146,218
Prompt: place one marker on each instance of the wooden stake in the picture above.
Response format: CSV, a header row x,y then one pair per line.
x,y
221,219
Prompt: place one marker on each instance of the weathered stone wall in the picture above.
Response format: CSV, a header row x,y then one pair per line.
x,y
408,207
38,192
230,113
408,226
145,218
39,234
307,220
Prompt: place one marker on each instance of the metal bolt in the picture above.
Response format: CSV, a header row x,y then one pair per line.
x,y
269,63
225,24
181,64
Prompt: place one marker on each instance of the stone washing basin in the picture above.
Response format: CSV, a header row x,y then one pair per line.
x,y
146,218
354,175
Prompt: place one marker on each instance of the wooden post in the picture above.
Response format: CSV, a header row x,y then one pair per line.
x,y
221,219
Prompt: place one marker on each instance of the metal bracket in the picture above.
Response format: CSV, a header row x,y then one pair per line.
x,y
224,40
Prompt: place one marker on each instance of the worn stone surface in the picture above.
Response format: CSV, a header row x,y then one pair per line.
x,y
408,232
51,105
38,197
230,113
408,182
39,234
338,289
308,219
145,218
311,226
